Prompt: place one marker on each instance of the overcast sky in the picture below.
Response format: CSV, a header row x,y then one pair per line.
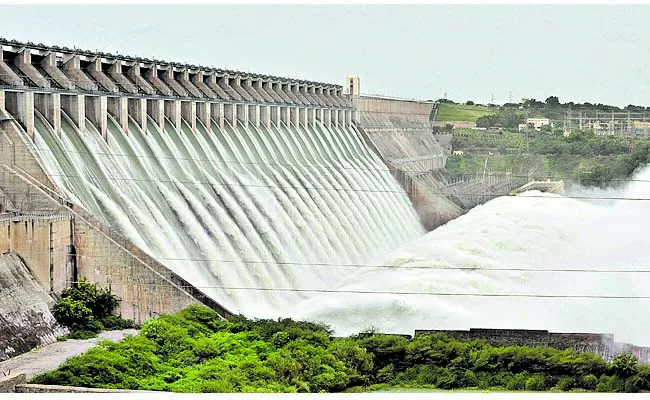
x,y
579,53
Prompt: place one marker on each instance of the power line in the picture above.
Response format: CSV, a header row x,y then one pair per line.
x,y
390,292
394,267
212,160
487,194
299,165
266,163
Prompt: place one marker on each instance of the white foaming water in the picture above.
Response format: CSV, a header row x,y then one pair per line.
x,y
237,207
536,230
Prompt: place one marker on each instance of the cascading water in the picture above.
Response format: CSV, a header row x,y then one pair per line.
x,y
601,246
236,208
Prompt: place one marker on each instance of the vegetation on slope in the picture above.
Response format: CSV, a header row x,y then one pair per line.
x,y
581,157
196,351
550,108
461,112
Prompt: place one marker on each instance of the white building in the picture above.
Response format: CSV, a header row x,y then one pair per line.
x,y
538,122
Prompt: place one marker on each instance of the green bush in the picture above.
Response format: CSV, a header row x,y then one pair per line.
x,y
565,384
470,379
589,382
100,301
535,383
86,310
624,365
517,382
72,313
196,351
610,384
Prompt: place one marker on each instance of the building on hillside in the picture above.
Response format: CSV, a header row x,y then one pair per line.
x,y
641,128
537,123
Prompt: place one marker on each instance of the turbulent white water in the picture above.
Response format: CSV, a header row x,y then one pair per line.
x,y
539,231
236,208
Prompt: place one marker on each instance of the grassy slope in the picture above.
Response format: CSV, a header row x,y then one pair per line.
x,y
459,112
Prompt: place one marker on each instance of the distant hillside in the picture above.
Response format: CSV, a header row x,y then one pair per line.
x,y
460,112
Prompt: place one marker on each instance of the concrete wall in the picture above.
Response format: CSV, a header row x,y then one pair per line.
x,y
414,111
8,383
400,132
25,318
44,244
433,208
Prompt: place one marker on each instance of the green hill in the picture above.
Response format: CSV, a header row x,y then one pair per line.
x,y
460,112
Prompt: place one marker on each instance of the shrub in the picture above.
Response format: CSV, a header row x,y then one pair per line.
x,y
470,379
640,381
113,322
72,313
86,309
589,382
565,384
386,374
196,351
624,365
535,383
101,302
517,382
610,384
448,380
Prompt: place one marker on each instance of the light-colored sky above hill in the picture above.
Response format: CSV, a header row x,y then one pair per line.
x,y
594,53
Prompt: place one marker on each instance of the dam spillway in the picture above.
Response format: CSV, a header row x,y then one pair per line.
x,y
248,187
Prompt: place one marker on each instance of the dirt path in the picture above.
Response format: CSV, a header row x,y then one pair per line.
x,y
49,357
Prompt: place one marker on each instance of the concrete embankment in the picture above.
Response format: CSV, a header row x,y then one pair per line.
x,y
25,318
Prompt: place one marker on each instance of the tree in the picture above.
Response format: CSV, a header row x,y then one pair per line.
x,y
485,121
625,365
552,101
101,302
469,103
86,309
73,314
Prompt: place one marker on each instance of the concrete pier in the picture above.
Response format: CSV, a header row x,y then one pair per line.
x,y
72,68
95,70
118,108
24,63
94,86
49,104
50,65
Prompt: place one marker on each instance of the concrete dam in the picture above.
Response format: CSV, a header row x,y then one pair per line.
x,y
174,184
